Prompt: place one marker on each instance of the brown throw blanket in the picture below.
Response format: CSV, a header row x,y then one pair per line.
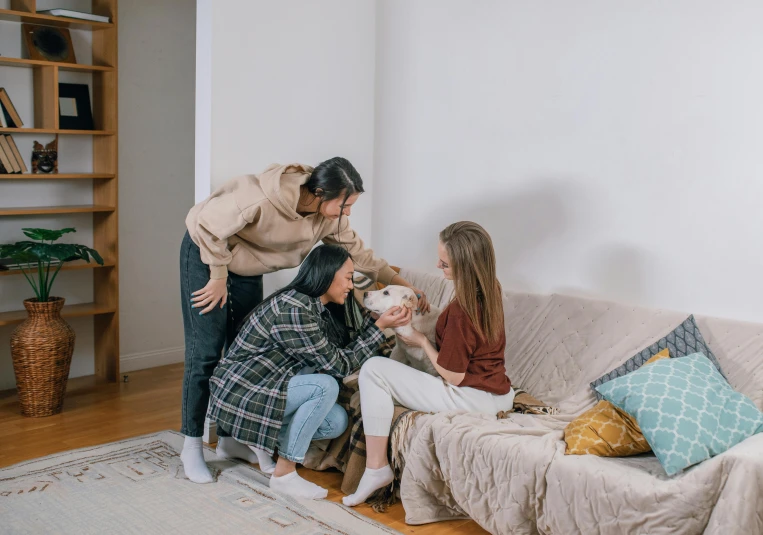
x,y
524,403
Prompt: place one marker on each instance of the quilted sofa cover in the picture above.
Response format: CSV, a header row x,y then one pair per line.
x,y
512,476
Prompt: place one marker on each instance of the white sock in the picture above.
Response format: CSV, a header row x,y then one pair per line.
x,y
293,485
193,461
371,481
230,448
266,462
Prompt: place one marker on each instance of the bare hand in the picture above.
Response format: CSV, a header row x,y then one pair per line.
x,y
216,291
394,317
416,339
424,305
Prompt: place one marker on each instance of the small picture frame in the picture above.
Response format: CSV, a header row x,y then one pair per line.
x,y
74,111
48,43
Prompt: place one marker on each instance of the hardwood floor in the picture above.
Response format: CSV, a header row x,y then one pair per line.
x,y
98,413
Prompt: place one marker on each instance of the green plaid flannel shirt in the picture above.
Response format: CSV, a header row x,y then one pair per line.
x,y
248,388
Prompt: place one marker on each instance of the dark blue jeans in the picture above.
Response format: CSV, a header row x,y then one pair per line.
x,y
207,336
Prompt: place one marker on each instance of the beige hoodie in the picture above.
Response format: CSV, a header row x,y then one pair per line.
x,y
250,226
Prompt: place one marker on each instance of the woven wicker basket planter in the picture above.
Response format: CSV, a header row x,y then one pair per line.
x,y
42,348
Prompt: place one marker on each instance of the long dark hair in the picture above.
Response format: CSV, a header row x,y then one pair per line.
x,y
335,178
314,279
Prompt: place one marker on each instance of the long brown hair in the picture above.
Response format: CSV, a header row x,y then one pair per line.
x,y
472,261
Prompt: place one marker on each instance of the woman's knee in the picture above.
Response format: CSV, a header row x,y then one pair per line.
x,y
335,423
371,366
377,370
329,387
339,418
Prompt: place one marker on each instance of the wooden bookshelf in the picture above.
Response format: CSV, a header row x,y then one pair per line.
x,y
104,209
50,210
58,176
69,266
18,131
49,20
69,311
20,62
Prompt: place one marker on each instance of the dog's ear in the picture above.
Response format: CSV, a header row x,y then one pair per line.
x,y
410,302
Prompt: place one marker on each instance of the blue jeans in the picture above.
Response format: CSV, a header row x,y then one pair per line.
x,y
311,414
207,336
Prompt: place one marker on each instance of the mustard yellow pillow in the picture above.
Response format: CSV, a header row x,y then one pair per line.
x,y
607,431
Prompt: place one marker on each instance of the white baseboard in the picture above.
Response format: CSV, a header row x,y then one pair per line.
x,y
151,359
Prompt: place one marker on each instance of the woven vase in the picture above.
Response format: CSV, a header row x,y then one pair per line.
x,y
42,348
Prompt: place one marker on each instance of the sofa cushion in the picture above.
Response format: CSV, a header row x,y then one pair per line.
x,y
686,339
685,409
607,431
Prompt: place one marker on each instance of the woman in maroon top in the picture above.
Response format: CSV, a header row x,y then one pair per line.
x,y
469,355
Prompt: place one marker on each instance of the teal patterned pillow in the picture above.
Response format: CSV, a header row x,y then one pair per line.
x,y
686,410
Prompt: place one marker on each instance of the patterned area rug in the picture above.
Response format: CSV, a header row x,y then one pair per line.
x,y
139,486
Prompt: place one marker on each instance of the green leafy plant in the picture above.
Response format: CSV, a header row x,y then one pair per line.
x,y
41,254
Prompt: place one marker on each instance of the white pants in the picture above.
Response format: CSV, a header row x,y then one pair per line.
x,y
384,382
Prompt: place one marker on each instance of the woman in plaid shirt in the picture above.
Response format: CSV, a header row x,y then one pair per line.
x,y
266,393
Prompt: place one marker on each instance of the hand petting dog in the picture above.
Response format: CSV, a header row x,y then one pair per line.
x,y
415,339
415,336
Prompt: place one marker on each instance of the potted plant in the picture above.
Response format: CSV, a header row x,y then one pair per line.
x,y
42,346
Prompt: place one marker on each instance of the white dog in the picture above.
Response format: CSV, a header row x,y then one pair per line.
x,y
399,296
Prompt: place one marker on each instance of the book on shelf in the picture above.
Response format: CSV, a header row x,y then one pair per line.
x,y
70,14
7,121
11,115
3,120
6,147
5,162
16,153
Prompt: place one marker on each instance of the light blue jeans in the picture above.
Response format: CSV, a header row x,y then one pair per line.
x,y
311,414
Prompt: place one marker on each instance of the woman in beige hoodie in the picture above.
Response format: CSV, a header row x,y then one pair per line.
x,y
254,225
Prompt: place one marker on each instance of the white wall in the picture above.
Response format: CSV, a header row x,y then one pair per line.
x,y
612,149
293,82
203,110
156,174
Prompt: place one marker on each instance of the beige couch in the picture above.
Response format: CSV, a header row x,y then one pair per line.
x,y
512,476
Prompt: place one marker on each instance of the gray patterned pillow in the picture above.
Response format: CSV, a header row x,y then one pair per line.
x,y
683,340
